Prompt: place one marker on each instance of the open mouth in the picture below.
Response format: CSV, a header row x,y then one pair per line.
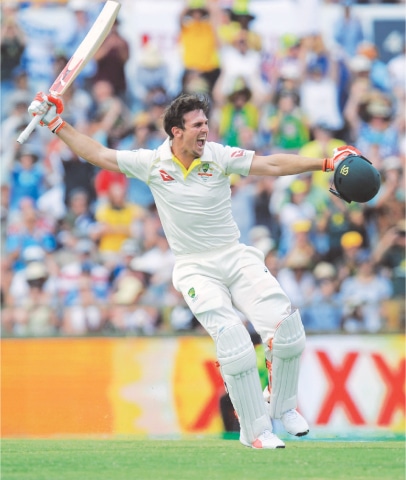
x,y
201,141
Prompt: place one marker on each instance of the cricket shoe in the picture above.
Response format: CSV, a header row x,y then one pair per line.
x,y
265,440
294,423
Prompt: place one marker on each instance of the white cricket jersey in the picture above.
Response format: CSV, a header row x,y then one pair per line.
x,y
194,205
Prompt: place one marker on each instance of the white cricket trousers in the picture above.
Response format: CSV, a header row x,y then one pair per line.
x,y
216,282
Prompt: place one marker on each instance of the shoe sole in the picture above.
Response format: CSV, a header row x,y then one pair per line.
x,y
300,434
255,448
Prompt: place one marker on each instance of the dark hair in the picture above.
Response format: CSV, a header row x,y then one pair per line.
x,y
183,104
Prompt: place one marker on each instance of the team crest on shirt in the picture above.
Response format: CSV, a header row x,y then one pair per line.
x,y
204,171
192,294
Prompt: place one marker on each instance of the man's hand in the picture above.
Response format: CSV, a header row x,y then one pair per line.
x,y
49,108
339,154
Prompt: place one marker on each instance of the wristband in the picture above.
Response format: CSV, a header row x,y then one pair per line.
x,y
328,165
56,124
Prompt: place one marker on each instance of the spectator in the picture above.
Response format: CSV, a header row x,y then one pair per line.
x,y
115,222
142,133
391,196
323,312
377,137
283,70
199,41
81,263
27,228
78,220
260,237
240,63
88,314
389,255
362,296
286,125
319,90
27,178
242,194
126,313
242,18
111,59
348,30
19,288
102,182
296,278
156,102
129,249
13,43
264,188
151,72
379,71
351,249
237,114
297,207
70,172
19,92
110,114
36,315
155,267
397,74
17,119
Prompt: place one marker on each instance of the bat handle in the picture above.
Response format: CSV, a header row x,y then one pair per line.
x,y
29,129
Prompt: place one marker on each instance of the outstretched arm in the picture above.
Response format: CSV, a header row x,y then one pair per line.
x,y
89,149
279,164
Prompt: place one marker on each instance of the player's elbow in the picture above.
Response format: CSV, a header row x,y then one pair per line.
x,y
105,158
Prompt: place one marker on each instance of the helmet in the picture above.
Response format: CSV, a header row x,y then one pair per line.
x,y
356,179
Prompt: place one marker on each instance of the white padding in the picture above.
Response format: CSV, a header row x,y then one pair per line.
x,y
287,347
238,362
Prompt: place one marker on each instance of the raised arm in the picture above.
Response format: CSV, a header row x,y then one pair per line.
x,y
280,164
89,149
49,108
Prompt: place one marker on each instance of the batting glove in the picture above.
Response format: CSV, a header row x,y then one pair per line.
x,y
49,108
339,154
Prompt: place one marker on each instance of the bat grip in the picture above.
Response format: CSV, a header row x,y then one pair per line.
x,y
29,129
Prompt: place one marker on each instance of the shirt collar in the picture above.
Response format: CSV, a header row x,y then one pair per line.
x,y
165,152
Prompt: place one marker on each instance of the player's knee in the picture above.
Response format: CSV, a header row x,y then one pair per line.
x,y
235,350
289,339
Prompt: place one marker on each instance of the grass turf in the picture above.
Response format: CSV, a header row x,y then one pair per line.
x,y
198,459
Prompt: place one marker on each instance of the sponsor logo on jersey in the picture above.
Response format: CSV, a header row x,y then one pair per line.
x,y
166,177
237,153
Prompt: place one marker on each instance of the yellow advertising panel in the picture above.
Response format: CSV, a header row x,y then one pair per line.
x,y
55,386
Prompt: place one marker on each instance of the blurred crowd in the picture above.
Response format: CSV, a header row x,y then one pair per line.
x,y
83,250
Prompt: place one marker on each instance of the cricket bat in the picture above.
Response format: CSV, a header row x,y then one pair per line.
x,y
80,58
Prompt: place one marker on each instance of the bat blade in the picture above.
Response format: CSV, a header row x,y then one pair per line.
x,y
85,51
89,46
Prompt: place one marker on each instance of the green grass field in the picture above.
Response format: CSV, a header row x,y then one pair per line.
x,y
199,459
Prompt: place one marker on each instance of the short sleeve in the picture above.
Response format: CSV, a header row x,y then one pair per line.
x,y
136,163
